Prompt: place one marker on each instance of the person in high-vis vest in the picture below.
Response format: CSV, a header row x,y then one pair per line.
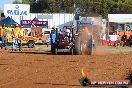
x,y
15,33
20,37
0,38
3,37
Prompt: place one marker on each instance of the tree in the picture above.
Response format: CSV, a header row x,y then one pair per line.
x,y
16,2
25,1
94,7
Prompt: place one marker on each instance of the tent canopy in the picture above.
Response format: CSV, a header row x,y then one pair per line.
x,y
7,21
120,18
35,19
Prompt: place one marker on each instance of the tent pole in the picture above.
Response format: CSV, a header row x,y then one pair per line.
x,y
108,26
125,28
117,29
20,19
11,21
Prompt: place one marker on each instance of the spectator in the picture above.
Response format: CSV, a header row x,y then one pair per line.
x,y
52,37
0,39
4,37
15,32
123,39
20,37
130,40
52,40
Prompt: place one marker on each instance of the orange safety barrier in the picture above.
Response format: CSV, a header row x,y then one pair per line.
x,y
105,42
112,43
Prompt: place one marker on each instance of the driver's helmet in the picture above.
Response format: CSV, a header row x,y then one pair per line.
x,y
68,30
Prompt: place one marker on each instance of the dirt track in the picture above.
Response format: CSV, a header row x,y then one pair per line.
x,y
42,70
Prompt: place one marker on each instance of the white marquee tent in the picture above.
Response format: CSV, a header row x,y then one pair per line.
x,y
120,18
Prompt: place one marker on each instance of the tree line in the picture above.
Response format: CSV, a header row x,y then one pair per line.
x,y
87,7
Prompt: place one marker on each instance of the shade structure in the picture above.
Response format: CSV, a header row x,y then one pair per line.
x,y
8,21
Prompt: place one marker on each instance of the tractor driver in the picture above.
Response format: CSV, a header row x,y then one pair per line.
x,y
67,35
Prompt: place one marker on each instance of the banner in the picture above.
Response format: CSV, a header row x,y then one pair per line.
x,y
83,22
16,9
37,23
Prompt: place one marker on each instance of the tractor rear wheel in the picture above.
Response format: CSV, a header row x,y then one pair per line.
x,y
78,47
89,50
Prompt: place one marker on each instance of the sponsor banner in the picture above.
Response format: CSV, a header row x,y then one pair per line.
x,y
83,22
37,23
16,9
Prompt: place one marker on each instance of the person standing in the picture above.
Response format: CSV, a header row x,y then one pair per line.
x,y
123,39
0,38
15,32
52,40
4,37
20,37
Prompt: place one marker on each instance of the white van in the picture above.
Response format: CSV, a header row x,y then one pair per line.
x,y
46,35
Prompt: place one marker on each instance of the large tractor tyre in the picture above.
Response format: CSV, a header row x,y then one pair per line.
x,y
56,51
78,47
71,51
53,49
31,44
89,50
90,47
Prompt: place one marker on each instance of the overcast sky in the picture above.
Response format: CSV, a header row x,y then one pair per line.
x,y
2,2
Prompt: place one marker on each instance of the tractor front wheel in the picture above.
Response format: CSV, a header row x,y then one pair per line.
x,y
72,51
31,44
78,47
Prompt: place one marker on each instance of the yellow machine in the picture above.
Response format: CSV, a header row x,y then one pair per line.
x,y
29,40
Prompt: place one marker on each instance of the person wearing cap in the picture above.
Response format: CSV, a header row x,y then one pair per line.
x,y
67,35
15,33
20,37
3,37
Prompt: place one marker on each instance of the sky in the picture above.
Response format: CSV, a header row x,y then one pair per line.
x,y
2,2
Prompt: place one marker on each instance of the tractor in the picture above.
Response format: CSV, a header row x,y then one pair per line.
x,y
63,42
74,41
